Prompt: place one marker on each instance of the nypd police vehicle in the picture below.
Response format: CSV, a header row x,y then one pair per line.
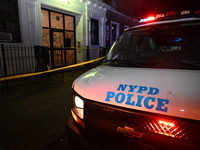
x,y
146,94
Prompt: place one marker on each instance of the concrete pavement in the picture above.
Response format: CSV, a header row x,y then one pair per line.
x,y
35,119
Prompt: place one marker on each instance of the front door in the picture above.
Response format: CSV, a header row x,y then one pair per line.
x,y
94,50
58,36
57,51
114,32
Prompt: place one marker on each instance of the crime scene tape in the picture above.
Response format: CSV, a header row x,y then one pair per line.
x,y
90,48
48,71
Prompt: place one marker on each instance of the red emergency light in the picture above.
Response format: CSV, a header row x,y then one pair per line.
x,y
160,15
150,18
197,12
170,13
166,123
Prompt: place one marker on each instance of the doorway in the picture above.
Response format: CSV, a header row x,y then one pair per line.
x,y
59,36
114,31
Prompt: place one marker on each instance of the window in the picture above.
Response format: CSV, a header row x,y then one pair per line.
x,y
58,29
114,33
167,46
114,3
94,32
9,21
109,2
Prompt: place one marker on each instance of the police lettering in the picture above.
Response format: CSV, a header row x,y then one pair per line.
x,y
149,102
138,89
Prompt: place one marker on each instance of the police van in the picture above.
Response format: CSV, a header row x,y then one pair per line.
x,y
146,93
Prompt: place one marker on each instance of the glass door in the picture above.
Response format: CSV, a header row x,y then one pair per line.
x,y
59,36
58,39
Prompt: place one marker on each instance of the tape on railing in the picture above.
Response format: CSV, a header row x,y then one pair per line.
x,y
48,71
83,48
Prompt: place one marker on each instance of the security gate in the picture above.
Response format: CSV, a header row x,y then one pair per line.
x,y
58,36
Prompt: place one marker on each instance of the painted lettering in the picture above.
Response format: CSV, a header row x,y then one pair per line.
x,y
129,102
138,89
138,100
161,104
146,102
142,89
120,97
109,95
153,91
132,87
122,87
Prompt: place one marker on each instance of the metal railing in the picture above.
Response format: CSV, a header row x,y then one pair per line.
x,y
16,60
27,83
22,60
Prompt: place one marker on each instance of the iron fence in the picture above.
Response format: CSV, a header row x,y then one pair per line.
x,y
59,57
22,59
16,60
27,83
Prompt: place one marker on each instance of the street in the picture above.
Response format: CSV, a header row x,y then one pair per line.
x,y
61,145
35,120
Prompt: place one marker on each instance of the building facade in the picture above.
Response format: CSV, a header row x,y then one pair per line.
x,y
63,24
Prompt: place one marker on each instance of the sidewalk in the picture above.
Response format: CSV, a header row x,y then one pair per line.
x,y
33,120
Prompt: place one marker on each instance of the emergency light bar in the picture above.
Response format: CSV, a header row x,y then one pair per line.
x,y
160,15
185,12
147,19
169,14
197,12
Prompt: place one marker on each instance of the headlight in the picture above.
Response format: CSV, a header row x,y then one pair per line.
x,y
78,106
77,110
78,102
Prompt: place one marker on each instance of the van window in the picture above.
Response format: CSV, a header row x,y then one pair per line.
x,y
167,46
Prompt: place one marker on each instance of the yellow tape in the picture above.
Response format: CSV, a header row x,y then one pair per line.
x,y
48,71
71,48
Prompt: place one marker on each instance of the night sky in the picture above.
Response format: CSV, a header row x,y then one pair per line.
x,y
148,7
